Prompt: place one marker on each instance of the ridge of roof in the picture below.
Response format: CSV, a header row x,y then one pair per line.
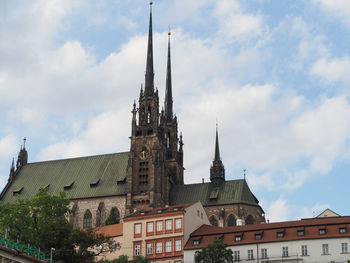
x,y
76,158
213,230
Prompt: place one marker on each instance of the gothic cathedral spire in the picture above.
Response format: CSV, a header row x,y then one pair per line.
x,y
155,162
149,76
168,103
217,170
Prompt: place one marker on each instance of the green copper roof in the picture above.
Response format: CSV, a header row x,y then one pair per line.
x,y
230,192
92,176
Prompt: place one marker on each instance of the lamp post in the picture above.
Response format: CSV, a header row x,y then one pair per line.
x,y
52,249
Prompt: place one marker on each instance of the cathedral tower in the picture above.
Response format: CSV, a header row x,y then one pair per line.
x,y
155,162
217,170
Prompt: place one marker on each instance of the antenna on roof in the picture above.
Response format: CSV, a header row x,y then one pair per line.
x,y
24,142
244,173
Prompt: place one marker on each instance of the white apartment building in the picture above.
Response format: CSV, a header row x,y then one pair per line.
x,y
316,240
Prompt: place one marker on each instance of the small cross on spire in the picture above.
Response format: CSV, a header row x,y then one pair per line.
x,y
244,173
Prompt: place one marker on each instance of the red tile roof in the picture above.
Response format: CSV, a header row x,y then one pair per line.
x,y
269,231
156,211
111,230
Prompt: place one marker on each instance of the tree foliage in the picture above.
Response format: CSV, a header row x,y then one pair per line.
x,y
214,253
42,222
113,217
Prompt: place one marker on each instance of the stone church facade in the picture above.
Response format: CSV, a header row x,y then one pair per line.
x,y
150,175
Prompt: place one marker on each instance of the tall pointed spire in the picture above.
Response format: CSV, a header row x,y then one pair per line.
x,y
217,170
149,77
217,150
168,103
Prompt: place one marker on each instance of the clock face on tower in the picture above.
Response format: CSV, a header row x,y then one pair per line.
x,y
143,155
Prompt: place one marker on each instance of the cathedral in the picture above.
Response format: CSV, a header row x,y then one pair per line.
x,y
150,175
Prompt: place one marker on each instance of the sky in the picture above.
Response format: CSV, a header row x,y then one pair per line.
x,y
274,74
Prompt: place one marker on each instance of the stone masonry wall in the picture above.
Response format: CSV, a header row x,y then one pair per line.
x,y
93,204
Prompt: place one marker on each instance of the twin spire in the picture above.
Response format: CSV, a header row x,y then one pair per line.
x,y
149,76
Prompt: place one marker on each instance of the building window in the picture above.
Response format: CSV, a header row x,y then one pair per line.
x,y
149,249
143,171
325,249
159,226
238,238
178,245
284,251
300,233
264,253
304,250
196,242
201,215
178,223
322,231
197,212
137,250
168,224
231,220
150,227
250,254
213,221
236,255
159,247
137,229
344,247
258,236
342,230
280,234
168,246
87,222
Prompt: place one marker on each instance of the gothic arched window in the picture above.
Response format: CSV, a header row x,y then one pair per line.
x,y
87,222
249,220
231,220
213,221
100,214
149,115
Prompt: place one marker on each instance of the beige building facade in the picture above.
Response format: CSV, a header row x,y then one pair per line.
x,y
160,234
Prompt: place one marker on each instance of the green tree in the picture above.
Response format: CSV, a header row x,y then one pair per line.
x,y
214,253
42,221
141,259
113,217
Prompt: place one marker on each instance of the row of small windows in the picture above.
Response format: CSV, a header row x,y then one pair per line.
x,y
160,247
160,226
285,252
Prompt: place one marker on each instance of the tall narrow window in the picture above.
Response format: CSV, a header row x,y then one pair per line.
x,y
264,253
231,220
325,249
213,221
143,172
304,250
285,252
137,250
250,254
236,255
87,222
344,247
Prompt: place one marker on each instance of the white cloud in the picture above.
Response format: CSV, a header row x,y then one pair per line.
x,y
235,22
332,70
337,8
105,133
8,145
278,210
